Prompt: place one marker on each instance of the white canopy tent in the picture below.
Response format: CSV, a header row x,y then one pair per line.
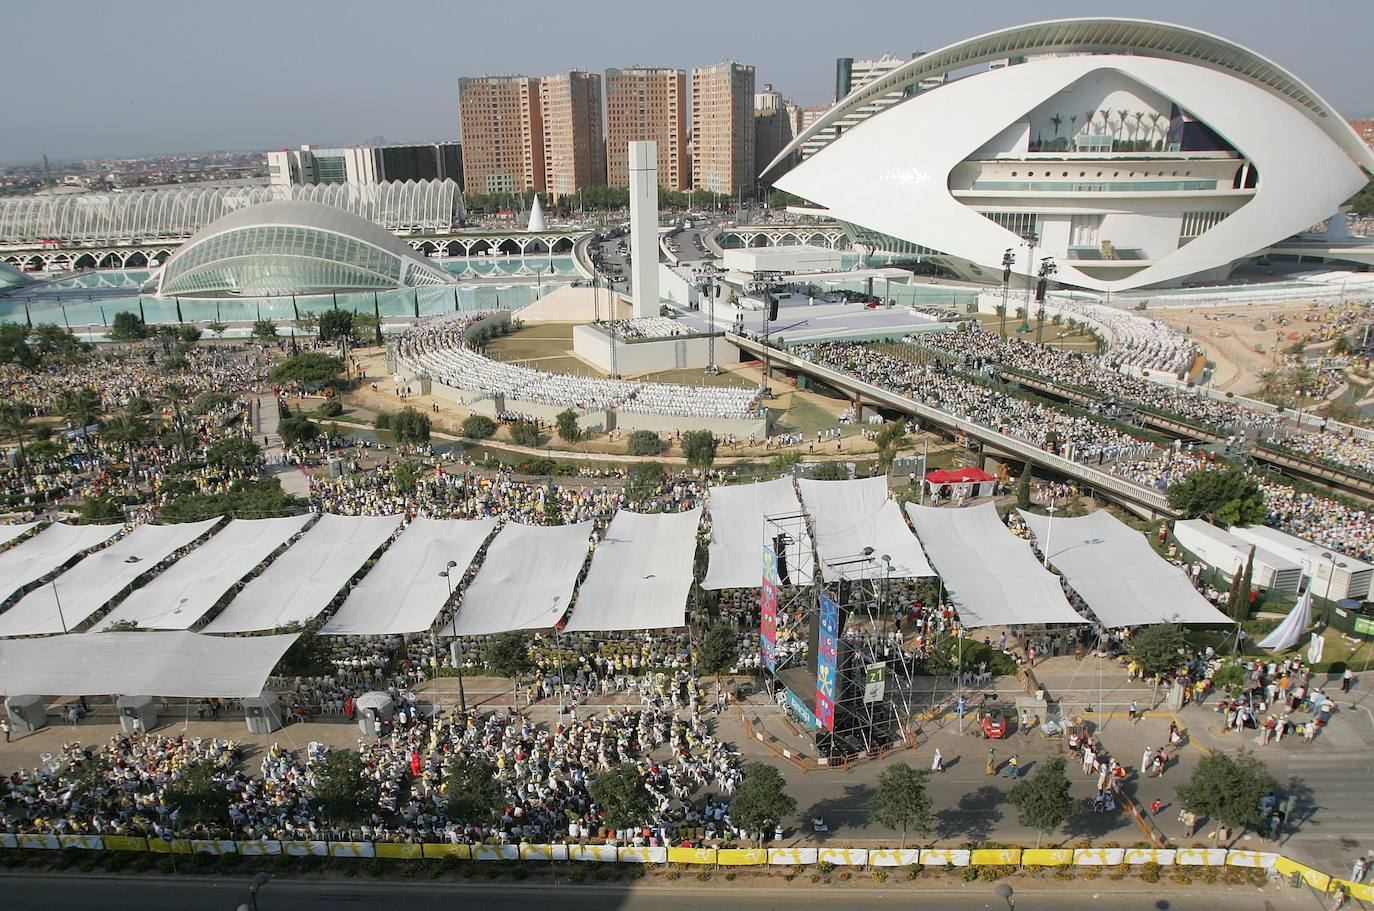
x,y
28,561
849,516
738,529
1117,573
526,580
404,592
302,582
640,575
90,584
9,533
141,664
187,589
991,576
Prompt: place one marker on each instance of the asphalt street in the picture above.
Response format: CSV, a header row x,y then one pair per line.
x,y
26,892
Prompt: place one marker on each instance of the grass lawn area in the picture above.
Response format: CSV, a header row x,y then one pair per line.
x,y
541,340
1055,336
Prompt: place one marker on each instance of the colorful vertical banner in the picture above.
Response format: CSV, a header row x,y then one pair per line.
x,y
827,664
768,610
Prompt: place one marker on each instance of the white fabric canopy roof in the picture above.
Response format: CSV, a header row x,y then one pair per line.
x,y
301,582
1117,573
9,532
990,574
526,580
186,590
404,592
851,515
1286,634
140,664
641,573
90,584
738,530
31,560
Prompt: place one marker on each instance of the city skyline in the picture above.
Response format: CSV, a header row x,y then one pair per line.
x,y
258,85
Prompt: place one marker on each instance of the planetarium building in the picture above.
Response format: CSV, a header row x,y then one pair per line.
x,y
1134,154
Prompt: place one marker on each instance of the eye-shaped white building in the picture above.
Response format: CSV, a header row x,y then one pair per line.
x,y
1134,153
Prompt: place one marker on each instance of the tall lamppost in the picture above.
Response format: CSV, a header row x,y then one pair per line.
x,y
259,881
1049,530
447,574
712,288
1008,260
1030,239
1005,892
1047,271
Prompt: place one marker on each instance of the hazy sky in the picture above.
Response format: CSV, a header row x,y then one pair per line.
x,y
89,78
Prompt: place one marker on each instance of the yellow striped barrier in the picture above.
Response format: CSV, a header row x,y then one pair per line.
x,y
431,851
1250,859
641,854
1200,857
41,842
351,849
1098,857
84,842
1162,856
219,846
9,840
893,857
495,852
1361,892
1314,878
125,843
395,851
990,857
791,857
543,852
742,857
1046,857
597,853
261,847
938,857
691,855
175,846
306,848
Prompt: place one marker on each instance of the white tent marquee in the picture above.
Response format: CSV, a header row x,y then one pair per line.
x,y
738,529
302,581
9,533
991,576
141,664
1117,573
90,584
526,580
849,516
404,592
640,574
183,593
28,561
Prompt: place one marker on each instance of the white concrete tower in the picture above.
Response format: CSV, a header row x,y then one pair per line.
x,y
644,227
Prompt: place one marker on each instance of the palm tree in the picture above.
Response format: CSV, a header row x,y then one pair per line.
x,y
126,428
1162,126
1139,119
173,394
1122,113
80,406
1056,120
14,420
1106,120
1271,385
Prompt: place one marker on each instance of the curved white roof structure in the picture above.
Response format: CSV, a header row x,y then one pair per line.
x,y
294,247
1136,153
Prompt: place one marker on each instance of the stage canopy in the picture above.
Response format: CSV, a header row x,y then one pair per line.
x,y
640,575
302,581
28,561
991,575
90,584
184,592
526,580
9,532
404,592
140,663
1117,573
738,530
851,515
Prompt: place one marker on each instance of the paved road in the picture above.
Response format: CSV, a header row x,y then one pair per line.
x,y
44,893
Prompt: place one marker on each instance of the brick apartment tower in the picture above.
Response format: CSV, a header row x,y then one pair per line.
x,y
723,129
574,150
502,134
647,105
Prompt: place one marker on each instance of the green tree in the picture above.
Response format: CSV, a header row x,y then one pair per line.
x,y
644,443
901,801
891,440
188,335
831,471
265,330
198,796
508,655
344,793
234,453
366,330
621,797
127,327
719,649
99,511
207,402
297,429
125,428
784,462
80,406
700,447
406,473
1238,605
244,499
1228,496
644,480
525,433
174,394
54,341
478,427
1227,788
761,799
472,792
568,431
15,347
1158,649
335,325
1042,798
217,327
308,370
1023,489
411,426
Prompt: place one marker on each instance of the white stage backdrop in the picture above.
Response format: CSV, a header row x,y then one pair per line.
x,y
31,560
991,576
90,584
9,532
738,532
301,582
1117,573
187,589
852,515
640,575
404,592
141,664
526,580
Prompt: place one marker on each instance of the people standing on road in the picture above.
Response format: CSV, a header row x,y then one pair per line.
x,y
5,727
1155,806
1189,820
992,761
1014,766
1134,711
938,763
1346,680
1357,870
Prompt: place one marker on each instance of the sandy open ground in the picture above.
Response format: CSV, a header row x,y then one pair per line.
x,y
1241,340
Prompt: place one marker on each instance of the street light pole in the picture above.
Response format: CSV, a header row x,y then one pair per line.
x,y
1049,530
457,644
61,619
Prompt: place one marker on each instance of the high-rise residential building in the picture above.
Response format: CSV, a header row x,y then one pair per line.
x,y
366,164
647,105
723,128
574,151
502,133
1365,127
851,75
776,123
